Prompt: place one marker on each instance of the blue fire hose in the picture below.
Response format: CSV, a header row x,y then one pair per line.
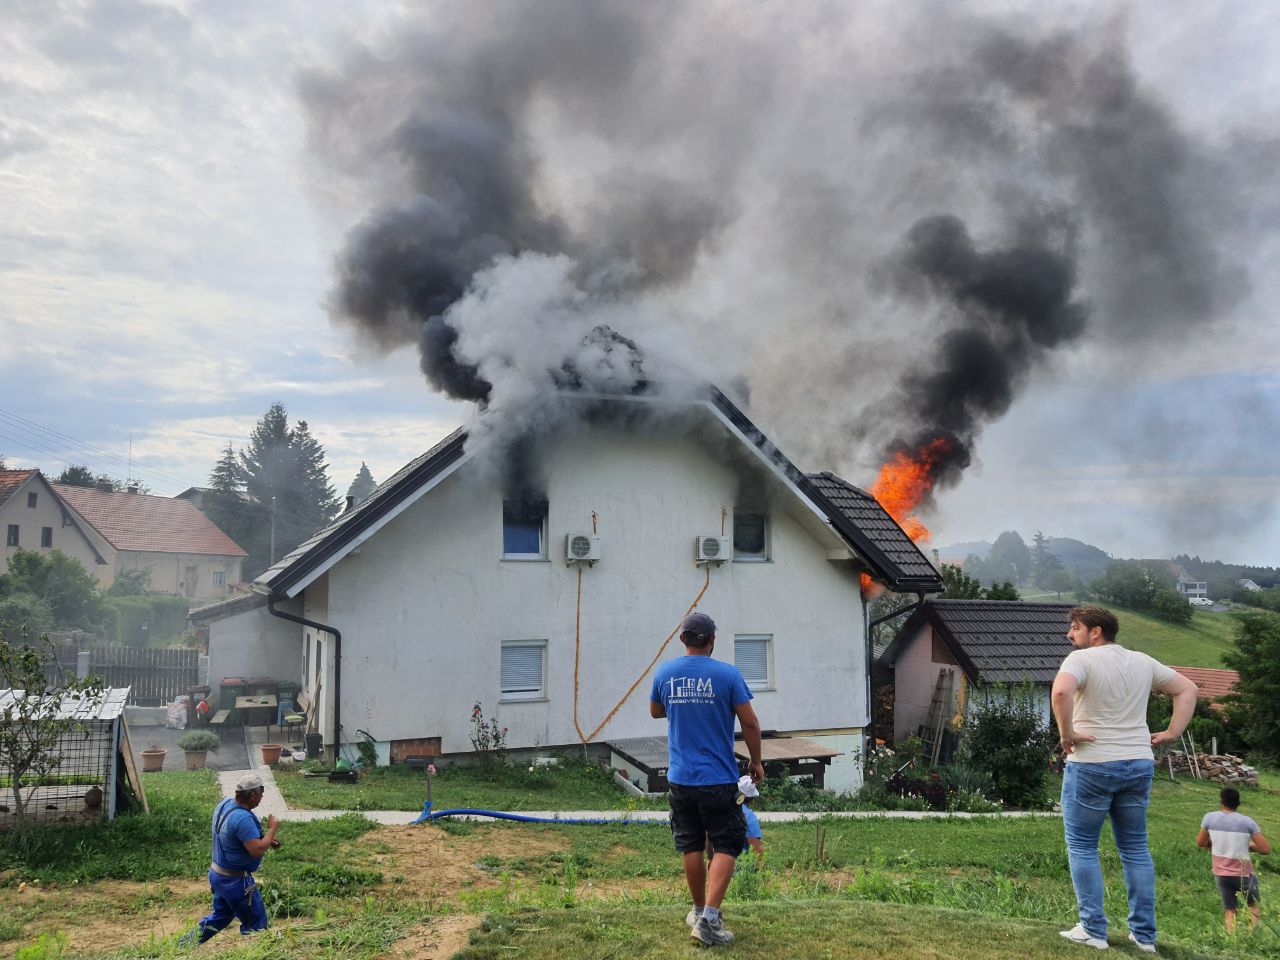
x,y
428,816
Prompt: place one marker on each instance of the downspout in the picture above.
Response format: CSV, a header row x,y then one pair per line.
x,y
337,665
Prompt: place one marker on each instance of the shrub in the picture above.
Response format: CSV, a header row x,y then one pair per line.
x,y
488,738
1007,736
1171,606
197,740
165,618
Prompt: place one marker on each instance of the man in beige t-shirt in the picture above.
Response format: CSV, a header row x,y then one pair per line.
x,y
1100,703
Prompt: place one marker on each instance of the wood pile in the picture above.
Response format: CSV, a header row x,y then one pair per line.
x,y
1221,768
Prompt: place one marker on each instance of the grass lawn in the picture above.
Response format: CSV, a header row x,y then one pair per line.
x,y
833,888
572,785
1199,643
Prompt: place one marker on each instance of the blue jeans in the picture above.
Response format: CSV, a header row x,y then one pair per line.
x,y
1121,790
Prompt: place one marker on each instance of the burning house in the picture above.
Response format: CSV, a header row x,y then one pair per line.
x,y
546,585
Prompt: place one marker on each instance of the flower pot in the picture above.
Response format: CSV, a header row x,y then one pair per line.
x,y
271,753
152,761
195,759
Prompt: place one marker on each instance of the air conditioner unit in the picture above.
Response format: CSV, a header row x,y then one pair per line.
x,y
713,549
581,547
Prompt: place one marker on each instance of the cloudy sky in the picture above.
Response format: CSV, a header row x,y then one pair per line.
x,y
179,180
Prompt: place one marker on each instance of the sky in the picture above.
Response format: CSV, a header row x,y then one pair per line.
x,y
183,182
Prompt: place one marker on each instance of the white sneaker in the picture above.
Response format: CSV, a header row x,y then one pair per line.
x,y
691,920
711,934
1079,934
1144,947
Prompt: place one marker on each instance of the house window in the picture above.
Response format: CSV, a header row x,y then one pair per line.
x,y
46,536
523,670
524,528
32,500
11,538
751,655
750,536
219,578
189,584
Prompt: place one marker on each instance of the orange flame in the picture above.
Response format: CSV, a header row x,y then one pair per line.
x,y
871,588
904,482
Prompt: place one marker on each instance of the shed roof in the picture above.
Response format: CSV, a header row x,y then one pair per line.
x,y
1212,685
138,521
994,641
80,708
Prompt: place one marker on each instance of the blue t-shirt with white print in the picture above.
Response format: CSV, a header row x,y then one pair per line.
x,y
699,695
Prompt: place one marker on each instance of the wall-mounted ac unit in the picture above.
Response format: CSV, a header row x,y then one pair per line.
x,y
583,547
713,549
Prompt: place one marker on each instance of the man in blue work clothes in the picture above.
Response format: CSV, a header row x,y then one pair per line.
x,y
700,697
238,847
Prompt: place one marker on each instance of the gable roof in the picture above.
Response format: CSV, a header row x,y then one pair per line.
x,y
1211,685
138,521
11,480
859,520
994,641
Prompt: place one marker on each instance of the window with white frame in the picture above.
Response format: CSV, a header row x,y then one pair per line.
x,y
752,653
524,529
523,674
219,578
750,535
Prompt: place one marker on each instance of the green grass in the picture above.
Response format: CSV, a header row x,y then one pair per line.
x,y
1199,643
570,785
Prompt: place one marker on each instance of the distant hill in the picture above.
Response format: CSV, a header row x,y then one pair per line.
x,y
958,551
1082,559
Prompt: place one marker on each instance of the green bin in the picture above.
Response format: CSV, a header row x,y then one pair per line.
x,y
228,691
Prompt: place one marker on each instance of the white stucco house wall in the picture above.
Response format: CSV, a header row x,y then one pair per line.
x,y
980,644
450,586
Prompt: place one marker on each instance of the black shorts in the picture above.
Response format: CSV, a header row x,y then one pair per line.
x,y
701,814
1246,888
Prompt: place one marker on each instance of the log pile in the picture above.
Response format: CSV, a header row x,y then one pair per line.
x,y
1221,768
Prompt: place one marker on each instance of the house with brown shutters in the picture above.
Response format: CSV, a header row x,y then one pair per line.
x,y
185,553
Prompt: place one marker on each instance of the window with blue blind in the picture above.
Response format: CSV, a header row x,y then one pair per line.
x,y
751,657
523,670
524,527
750,536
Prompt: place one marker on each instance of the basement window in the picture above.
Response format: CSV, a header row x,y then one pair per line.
x,y
523,675
524,529
750,536
751,655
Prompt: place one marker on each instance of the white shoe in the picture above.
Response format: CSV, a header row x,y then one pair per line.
x,y
691,920
1144,947
711,934
1080,935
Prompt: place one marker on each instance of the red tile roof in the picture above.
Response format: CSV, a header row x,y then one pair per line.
x,y
11,480
1213,684
137,521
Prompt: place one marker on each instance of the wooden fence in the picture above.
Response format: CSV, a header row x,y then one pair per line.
x,y
154,676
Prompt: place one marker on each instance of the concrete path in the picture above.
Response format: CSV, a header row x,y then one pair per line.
x,y
273,803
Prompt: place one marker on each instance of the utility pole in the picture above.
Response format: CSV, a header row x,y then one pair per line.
x,y
273,531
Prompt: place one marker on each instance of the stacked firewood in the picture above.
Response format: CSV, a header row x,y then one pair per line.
x,y
1221,767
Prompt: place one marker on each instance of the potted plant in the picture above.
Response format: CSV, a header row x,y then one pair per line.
x,y
153,758
271,753
196,743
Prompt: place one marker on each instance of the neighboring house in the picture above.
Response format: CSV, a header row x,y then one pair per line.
x,y
1211,685
449,586
1249,585
973,643
34,517
1192,588
186,554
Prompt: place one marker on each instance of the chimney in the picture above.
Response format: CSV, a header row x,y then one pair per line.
x,y
351,502
104,484
132,488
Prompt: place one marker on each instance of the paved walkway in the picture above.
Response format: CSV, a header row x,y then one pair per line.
x,y
273,803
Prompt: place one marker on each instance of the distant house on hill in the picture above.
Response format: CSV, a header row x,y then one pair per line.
x,y
947,647
185,553
1249,585
34,517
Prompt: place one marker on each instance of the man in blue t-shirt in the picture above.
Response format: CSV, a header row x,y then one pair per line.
x,y
238,847
699,697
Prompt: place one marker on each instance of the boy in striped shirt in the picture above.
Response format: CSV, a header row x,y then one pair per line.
x,y
1231,836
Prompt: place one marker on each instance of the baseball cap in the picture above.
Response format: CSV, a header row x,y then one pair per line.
x,y
250,781
698,623
747,788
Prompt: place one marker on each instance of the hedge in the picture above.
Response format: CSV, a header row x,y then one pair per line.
x,y
165,617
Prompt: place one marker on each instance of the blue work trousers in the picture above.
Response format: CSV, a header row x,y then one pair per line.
x,y
1092,793
234,898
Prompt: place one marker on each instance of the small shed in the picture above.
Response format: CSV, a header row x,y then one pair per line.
x,y
90,780
948,645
